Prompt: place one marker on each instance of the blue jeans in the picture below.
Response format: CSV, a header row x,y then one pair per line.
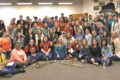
x,y
9,70
62,56
38,56
44,55
7,54
88,58
108,62
116,58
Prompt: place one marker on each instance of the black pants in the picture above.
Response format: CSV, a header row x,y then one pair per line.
x,y
75,53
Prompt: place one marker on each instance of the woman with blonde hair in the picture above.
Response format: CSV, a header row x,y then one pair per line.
x,y
115,44
80,21
68,28
60,50
84,50
77,26
86,27
74,49
69,39
56,29
88,36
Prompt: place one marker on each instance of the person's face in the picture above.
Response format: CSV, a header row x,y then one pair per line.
x,y
61,24
56,18
86,31
93,33
1,50
61,19
80,19
62,15
94,42
21,17
85,19
26,26
79,31
21,22
85,24
67,26
104,33
60,40
113,34
30,31
31,42
76,41
27,18
39,32
17,46
72,22
84,42
2,22
45,17
99,25
56,25
98,16
90,17
45,39
103,42
95,19
46,25
30,21
44,20
66,18
104,20
68,35
63,35
35,25
115,18
19,34
39,21
51,31
49,20
19,26
77,23
14,20
83,16
109,17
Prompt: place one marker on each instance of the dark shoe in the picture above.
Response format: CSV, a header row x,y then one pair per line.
x,y
21,70
7,75
68,57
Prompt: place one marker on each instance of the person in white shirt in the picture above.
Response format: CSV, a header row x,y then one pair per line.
x,y
88,36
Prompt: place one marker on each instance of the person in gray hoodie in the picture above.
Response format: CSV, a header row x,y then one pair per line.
x,y
45,29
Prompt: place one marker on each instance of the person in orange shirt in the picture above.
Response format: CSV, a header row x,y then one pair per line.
x,y
18,56
68,28
56,20
6,44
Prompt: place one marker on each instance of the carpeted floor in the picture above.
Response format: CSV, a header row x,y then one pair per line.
x,y
55,71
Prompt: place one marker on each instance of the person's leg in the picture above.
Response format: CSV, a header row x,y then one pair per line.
x,y
88,59
50,55
38,56
98,59
18,64
62,56
109,61
115,58
4,72
5,54
43,56
102,60
55,56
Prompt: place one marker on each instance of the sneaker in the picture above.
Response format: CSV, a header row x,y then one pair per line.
x,y
68,57
7,75
83,61
75,59
21,70
96,64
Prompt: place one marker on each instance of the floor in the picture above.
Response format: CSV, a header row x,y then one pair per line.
x,y
55,71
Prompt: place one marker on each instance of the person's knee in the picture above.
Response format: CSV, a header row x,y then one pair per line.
x,y
86,57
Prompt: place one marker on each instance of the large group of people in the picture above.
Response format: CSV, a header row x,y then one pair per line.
x,y
86,40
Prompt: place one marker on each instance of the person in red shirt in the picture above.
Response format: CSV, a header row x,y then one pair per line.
x,y
74,49
56,20
40,24
32,52
68,29
46,48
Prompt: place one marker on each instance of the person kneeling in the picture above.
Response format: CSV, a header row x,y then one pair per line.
x,y
94,53
32,52
106,53
46,48
60,50
9,68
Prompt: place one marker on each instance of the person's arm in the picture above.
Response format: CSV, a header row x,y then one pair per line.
x,y
41,45
65,49
22,43
25,57
56,50
110,52
0,41
102,53
80,51
90,52
10,43
49,47
99,52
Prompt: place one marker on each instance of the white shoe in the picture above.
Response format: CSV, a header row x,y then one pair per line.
x,y
75,59
83,61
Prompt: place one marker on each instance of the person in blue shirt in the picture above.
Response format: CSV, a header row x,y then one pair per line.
x,y
50,24
110,19
106,52
45,19
60,50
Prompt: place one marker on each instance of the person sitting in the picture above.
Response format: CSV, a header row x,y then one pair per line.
x,y
63,37
40,24
94,53
50,24
78,26
25,29
6,44
18,56
45,29
74,50
106,52
60,50
35,28
46,48
84,50
88,36
106,35
32,52
115,44
68,29
9,70
56,29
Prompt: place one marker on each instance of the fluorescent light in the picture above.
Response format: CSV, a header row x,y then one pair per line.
x,y
5,3
40,3
65,3
24,3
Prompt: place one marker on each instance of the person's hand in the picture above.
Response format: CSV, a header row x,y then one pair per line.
x,y
47,54
114,55
4,51
76,46
9,49
23,62
9,36
92,59
80,56
0,68
105,58
70,55
58,56
69,51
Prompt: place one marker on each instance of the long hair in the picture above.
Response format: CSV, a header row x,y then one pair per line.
x,y
104,39
25,25
106,33
96,44
116,35
54,28
2,25
17,37
45,27
77,26
43,42
78,43
18,30
86,45
69,37
39,36
69,27
57,44
53,34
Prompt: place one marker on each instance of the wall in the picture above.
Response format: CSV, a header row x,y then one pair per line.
x,y
9,12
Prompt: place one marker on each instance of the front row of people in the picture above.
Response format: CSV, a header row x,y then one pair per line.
x,y
82,51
